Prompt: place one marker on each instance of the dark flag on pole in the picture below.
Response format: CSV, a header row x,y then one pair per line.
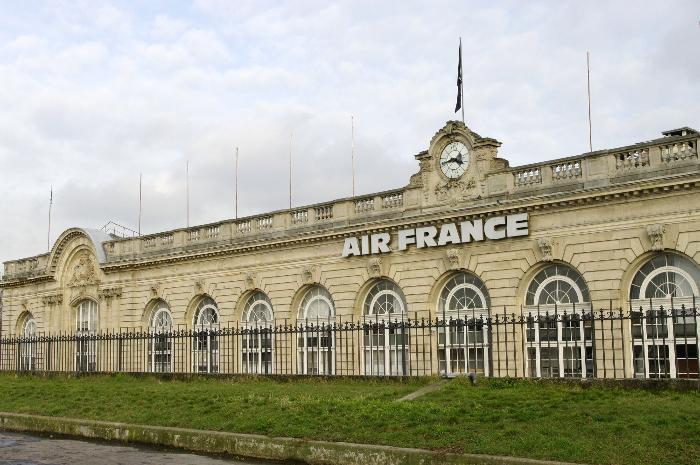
x,y
459,79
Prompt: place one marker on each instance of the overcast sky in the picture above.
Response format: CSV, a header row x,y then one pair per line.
x,y
93,93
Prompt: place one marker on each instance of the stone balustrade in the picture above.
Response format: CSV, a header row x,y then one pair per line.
x,y
528,177
566,170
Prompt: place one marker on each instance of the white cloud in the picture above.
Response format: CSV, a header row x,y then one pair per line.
x,y
95,93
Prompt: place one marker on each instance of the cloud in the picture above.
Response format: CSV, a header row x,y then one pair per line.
x,y
97,93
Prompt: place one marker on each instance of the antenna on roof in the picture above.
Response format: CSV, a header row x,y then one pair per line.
x,y
140,179
236,212
291,137
187,189
588,74
48,234
352,151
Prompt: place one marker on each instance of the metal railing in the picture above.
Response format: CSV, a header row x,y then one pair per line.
x,y
648,342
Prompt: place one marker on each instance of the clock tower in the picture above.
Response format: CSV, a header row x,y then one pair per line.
x,y
455,166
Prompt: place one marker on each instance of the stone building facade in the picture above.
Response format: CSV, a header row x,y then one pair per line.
x,y
615,229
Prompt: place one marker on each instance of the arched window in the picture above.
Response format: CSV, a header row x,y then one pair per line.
x,y
316,354
558,285
258,319
559,324
161,346
86,323
464,307
206,344
386,340
28,347
663,298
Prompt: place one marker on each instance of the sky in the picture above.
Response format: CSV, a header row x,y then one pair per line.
x,y
94,93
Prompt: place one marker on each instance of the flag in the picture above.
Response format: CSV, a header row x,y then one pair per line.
x,y
459,79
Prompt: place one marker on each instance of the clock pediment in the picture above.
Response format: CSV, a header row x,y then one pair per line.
x,y
454,168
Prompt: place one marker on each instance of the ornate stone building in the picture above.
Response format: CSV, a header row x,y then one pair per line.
x,y
613,229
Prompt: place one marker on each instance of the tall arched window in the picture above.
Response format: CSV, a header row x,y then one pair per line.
x,y
464,306
161,347
258,319
316,354
663,298
559,337
29,346
386,342
206,344
86,330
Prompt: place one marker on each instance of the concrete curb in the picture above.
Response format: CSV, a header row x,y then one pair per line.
x,y
250,445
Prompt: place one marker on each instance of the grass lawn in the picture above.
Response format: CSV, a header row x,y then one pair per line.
x,y
502,417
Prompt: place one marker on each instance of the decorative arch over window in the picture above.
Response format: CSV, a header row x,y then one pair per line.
x,y
463,293
258,340
258,309
559,324
161,318
557,284
463,336
316,341
206,338
317,304
28,348
386,339
664,276
206,315
663,301
384,300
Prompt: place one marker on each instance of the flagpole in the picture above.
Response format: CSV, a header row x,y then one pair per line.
x,y
236,182
352,133
291,136
140,179
187,189
48,234
590,127
460,62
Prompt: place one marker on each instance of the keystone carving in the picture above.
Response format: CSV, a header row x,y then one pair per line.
x,y
84,272
374,267
656,236
199,286
155,290
309,275
454,259
249,278
52,299
545,245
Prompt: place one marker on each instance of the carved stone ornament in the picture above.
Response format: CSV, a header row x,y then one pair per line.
x,y
454,259
308,275
249,278
84,272
199,286
374,267
52,299
455,189
656,236
109,293
155,290
545,245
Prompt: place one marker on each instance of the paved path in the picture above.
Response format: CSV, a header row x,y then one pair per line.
x,y
21,449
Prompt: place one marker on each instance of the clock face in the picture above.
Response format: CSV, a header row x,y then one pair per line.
x,y
454,160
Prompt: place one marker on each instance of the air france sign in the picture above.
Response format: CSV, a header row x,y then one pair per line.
x,y
493,228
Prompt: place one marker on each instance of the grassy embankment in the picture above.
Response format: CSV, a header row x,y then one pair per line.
x,y
500,417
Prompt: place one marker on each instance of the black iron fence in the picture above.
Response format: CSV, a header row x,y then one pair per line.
x,y
649,342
